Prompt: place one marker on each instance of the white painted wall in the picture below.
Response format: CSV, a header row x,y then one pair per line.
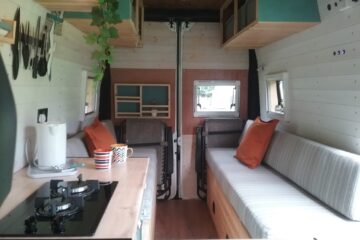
x,y
63,95
324,90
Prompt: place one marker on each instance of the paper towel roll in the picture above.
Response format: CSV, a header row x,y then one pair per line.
x,y
51,144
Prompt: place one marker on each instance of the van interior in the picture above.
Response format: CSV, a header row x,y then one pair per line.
x,y
180,119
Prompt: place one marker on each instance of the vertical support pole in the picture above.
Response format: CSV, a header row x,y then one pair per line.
x,y
178,105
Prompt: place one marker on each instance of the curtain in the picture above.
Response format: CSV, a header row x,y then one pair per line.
x,y
253,87
7,132
105,95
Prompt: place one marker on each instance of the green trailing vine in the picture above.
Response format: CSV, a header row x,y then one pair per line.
x,y
104,17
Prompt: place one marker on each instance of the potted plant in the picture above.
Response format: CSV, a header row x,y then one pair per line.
x,y
104,17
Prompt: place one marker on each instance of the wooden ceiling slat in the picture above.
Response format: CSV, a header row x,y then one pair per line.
x,y
184,4
68,5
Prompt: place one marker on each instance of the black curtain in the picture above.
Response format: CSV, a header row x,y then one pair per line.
x,y
105,95
253,87
7,132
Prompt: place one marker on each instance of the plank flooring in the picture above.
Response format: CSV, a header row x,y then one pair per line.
x,y
183,219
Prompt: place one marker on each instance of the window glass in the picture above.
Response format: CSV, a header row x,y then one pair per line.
x,y
275,84
216,98
91,95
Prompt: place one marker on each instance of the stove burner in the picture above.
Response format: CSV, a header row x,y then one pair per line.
x,y
30,225
49,208
75,188
71,208
58,225
79,189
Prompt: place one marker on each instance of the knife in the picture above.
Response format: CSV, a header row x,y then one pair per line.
x,y
15,46
25,46
36,44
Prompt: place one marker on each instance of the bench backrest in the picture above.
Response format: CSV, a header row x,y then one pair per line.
x,y
330,174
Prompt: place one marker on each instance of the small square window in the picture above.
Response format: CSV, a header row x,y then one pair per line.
x,y
218,98
91,95
275,93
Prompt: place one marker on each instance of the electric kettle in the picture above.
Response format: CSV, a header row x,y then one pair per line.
x,y
51,145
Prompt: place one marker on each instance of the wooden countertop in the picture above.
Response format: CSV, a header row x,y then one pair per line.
x,y
121,216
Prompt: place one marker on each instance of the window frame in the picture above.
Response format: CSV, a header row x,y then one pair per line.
x,y
284,77
236,83
95,91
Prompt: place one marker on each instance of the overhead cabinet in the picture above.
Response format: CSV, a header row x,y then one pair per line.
x,y
256,23
78,13
142,100
7,31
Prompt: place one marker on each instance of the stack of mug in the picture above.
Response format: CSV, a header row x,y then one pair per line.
x,y
117,154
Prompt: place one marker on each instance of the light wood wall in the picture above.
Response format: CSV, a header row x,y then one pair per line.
x,y
158,51
201,49
324,90
63,95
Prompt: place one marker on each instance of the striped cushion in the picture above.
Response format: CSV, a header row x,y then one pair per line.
x,y
330,174
271,207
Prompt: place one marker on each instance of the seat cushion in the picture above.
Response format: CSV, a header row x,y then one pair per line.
x,y
97,136
272,207
75,146
330,174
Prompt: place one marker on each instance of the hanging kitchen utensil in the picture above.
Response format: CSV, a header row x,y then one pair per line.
x,y
25,46
36,48
32,44
52,46
15,46
42,64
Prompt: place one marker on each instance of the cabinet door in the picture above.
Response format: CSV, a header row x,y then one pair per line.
x,y
227,222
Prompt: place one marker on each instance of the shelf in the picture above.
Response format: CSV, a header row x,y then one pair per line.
x,y
256,23
10,36
157,106
78,13
141,100
128,101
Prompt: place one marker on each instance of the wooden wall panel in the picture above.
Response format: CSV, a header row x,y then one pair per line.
x,y
63,95
158,50
190,75
324,78
202,49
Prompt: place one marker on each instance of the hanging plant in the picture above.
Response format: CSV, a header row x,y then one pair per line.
x,y
104,17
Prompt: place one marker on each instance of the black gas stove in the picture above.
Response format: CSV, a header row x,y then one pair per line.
x,y
60,208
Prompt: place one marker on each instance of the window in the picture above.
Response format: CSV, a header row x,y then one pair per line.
x,y
275,93
91,95
216,98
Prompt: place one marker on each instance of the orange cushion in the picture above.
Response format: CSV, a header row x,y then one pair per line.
x,y
97,136
254,144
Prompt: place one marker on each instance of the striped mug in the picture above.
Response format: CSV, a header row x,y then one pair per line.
x,y
121,152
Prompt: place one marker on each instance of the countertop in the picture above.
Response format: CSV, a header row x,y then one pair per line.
x,y
121,216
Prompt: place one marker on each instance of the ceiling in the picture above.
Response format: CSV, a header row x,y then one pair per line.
x,y
183,4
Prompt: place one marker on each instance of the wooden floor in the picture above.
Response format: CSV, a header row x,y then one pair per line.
x,y
183,219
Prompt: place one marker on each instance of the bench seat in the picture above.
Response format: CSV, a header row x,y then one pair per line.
x,y
270,206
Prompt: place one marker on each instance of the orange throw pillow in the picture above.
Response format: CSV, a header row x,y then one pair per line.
x,y
254,144
97,136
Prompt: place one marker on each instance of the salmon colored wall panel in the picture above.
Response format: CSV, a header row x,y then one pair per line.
x,y
146,76
190,75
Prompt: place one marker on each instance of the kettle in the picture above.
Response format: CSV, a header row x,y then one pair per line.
x,y
51,145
